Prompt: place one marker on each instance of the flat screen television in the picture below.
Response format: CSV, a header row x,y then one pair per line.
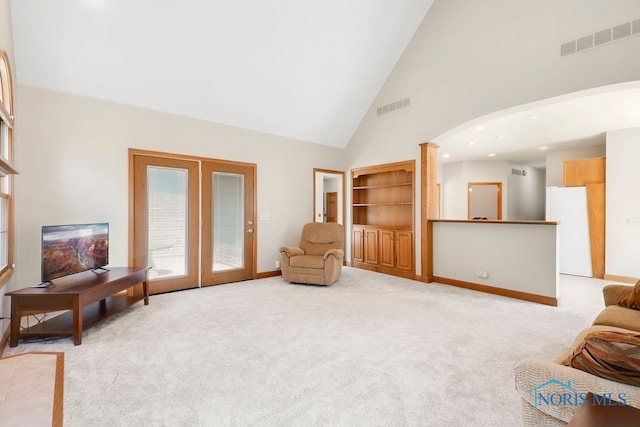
x,y
70,249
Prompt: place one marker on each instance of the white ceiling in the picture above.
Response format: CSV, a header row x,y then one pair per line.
x,y
523,134
307,70
299,69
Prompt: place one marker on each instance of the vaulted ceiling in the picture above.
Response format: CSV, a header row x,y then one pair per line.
x,y
294,68
299,69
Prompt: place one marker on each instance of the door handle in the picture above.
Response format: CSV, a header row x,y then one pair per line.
x,y
250,230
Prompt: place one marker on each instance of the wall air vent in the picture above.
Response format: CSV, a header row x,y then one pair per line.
x,y
568,48
516,172
403,103
600,38
621,31
585,42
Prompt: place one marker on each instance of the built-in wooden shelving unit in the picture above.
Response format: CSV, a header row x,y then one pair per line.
x,y
383,218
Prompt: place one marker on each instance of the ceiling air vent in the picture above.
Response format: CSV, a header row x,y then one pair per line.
x,y
384,109
601,38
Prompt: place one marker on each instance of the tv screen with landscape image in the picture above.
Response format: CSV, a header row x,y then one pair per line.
x,y
70,249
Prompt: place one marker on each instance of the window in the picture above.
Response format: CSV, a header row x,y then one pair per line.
x,y
6,169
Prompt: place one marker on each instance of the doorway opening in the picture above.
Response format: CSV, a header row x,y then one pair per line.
x,y
484,200
328,196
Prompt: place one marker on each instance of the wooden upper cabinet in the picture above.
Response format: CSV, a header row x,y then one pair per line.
x,y
584,171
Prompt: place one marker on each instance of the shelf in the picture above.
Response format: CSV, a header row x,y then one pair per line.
x,y
357,205
384,226
373,187
62,325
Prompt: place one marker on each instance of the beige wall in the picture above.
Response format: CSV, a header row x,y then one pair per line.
x,y
526,193
469,59
73,159
464,249
6,37
456,176
472,58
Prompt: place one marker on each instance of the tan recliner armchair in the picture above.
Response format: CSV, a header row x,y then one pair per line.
x,y
318,259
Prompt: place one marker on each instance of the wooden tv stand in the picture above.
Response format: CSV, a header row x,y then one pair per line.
x,y
90,297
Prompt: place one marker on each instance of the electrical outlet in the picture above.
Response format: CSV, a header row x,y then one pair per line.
x,y
278,264
482,274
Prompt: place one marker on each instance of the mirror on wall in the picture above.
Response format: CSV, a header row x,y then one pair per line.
x,y
328,196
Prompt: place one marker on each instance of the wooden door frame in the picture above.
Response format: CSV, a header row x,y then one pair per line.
x,y
499,201
140,152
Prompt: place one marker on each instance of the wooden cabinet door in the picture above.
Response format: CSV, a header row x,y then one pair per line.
x,y
581,172
404,250
387,250
357,245
371,246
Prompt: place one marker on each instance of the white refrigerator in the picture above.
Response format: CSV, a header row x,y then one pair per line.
x,y
568,205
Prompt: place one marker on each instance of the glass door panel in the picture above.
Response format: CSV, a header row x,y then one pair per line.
x,y
165,218
228,221
167,221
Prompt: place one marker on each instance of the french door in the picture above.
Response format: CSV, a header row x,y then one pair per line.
x,y
192,220
228,224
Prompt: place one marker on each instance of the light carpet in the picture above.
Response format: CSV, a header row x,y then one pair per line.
x,y
370,350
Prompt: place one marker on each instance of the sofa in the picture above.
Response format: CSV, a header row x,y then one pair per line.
x,y
603,361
